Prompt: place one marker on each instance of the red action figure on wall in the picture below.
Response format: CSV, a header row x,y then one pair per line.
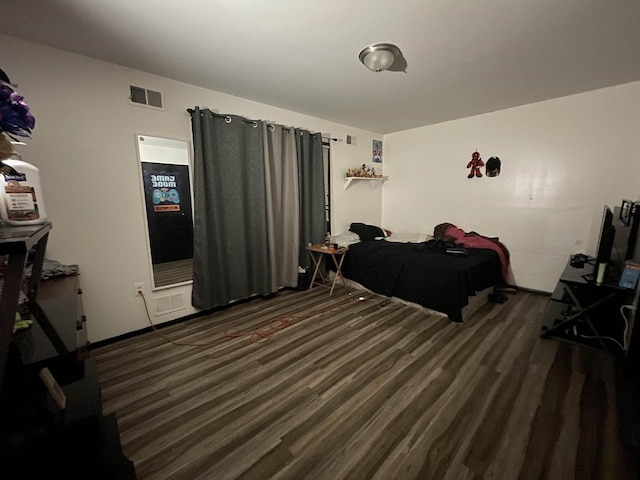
x,y
474,164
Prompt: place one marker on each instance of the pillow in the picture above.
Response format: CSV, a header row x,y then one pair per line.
x,y
345,239
366,232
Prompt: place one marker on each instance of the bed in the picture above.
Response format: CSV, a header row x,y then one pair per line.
x,y
417,268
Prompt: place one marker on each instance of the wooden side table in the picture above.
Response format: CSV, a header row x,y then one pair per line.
x,y
319,254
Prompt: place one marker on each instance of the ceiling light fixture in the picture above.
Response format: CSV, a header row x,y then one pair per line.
x,y
379,56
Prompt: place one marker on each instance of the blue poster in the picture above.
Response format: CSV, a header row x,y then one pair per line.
x,y
377,151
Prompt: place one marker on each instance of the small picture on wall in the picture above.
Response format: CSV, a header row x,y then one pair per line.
x,y
377,151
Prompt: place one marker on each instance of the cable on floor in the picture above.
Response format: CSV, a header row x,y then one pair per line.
x,y
264,331
624,345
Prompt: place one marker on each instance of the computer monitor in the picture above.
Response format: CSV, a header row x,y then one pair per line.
x,y
606,237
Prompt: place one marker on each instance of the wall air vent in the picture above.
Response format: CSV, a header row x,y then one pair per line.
x,y
145,97
169,303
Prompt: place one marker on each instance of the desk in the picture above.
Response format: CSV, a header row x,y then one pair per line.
x,y
38,437
581,311
319,254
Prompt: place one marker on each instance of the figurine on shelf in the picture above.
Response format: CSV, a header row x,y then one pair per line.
x,y
363,172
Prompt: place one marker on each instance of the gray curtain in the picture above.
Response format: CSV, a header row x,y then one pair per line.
x,y
231,257
313,221
258,200
282,197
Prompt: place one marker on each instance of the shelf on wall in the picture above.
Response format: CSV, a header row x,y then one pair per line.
x,y
374,181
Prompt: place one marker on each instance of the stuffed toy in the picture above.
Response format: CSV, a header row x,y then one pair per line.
x,y
475,164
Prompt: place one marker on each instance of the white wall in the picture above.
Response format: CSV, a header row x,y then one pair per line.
x,y
84,145
359,202
562,160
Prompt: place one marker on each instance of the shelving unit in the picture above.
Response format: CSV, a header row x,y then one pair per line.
x,y
72,439
374,181
16,243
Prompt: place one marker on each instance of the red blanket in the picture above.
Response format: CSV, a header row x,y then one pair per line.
x,y
448,231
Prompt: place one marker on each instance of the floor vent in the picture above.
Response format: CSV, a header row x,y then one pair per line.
x,y
169,303
145,97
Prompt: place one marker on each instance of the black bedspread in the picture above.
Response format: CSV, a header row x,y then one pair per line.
x,y
422,273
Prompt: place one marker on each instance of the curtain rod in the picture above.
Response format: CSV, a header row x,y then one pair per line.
x,y
226,117
255,124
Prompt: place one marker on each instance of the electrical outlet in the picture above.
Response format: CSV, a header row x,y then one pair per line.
x,y
138,289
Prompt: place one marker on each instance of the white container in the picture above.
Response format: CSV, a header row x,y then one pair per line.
x,y
21,201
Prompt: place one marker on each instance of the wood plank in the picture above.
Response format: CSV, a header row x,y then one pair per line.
x,y
364,390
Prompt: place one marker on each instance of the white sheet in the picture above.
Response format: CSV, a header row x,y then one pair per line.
x,y
347,238
403,237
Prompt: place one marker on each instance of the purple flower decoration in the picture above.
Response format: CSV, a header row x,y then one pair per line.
x,y
15,115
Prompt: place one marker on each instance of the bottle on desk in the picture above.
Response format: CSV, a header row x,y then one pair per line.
x,y
327,239
602,268
20,193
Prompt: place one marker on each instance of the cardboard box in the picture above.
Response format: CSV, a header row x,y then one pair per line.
x,y
630,275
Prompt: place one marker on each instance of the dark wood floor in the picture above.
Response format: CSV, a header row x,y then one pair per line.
x,y
368,389
173,273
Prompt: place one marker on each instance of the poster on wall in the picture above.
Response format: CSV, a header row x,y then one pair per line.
x,y
169,216
377,151
166,187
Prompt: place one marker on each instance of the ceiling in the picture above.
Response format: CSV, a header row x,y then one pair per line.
x,y
460,57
